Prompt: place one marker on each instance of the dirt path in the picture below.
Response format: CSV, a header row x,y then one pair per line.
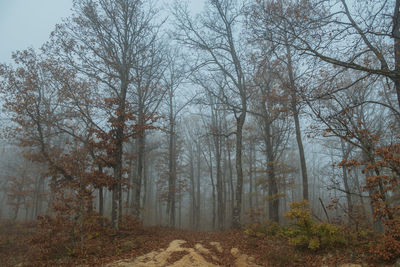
x,y
179,254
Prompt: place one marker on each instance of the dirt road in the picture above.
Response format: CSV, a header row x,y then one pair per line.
x,y
179,254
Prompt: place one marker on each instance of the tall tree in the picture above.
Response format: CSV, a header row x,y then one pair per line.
x,y
271,107
102,41
147,96
215,36
173,78
270,35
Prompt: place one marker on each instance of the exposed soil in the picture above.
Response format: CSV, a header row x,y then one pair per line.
x,y
177,256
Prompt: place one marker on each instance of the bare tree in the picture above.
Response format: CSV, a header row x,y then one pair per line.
x,y
271,109
102,41
173,78
213,94
214,35
146,98
349,34
274,42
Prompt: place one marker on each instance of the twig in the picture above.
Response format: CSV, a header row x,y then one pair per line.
x,y
326,213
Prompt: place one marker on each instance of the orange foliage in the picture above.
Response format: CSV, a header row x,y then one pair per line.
x,y
384,186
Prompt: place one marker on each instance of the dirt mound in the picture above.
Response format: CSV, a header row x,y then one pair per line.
x,y
179,256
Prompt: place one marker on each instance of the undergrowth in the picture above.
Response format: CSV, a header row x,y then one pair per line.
x,y
303,233
54,241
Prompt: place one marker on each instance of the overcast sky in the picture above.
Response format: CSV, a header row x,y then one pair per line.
x,y
28,23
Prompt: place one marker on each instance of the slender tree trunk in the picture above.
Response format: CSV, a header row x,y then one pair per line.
x,y
347,188
257,195
114,206
133,183
145,187
239,170
396,35
139,174
216,128
213,195
120,204
225,185
116,188
360,192
16,209
197,222
33,210
171,164
295,111
39,198
220,189
129,189
273,198
180,208
119,141
251,174
172,181
231,187
345,179
209,162
101,201
192,182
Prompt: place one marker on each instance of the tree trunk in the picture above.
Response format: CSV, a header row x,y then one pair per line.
x,y
213,196
345,154
114,207
172,176
180,208
101,201
231,187
295,111
197,222
251,159
145,186
129,189
171,163
220,189
225,184
39,198
192,183
139,174
239,170
119,141
396,35
273,198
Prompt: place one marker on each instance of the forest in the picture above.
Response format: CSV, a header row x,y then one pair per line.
x,y
259,132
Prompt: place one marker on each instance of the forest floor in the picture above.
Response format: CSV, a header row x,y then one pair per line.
x,y
233,248
160,246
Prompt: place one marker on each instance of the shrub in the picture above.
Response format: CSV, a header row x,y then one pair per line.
x,y
305,233
57,237
388,248
266,228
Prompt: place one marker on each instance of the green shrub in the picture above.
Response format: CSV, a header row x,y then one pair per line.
x,y
266,228
302,232
306,233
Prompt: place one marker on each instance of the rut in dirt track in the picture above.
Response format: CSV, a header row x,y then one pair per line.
x,y
179,255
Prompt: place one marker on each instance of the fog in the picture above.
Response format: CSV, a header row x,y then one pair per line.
x,y
227,117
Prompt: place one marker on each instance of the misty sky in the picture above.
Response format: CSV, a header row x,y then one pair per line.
x,y
28,23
